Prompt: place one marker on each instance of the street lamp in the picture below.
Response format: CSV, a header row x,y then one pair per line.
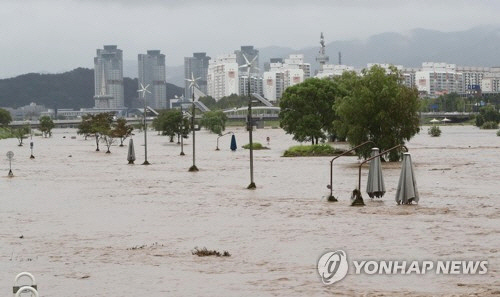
x,y
31,142
143,91
192,85
217,148
182,132
249,65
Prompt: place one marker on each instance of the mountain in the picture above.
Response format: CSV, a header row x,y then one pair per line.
x,y
72,89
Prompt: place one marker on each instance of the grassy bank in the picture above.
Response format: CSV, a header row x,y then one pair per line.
x,y
317,150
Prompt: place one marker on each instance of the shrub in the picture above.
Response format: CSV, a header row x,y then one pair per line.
x,y
434,131
490,125
203,252
312,151
498,133
255,146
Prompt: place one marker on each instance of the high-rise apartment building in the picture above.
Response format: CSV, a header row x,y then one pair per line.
x,y
435,79
108,78
283,75
255,84
152,73
222,78
297,61
250,53
198,66
330,70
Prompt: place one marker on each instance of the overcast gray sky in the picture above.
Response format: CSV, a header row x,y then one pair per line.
x,y
59,35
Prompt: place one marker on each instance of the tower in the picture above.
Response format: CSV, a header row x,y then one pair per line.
x,y
322,58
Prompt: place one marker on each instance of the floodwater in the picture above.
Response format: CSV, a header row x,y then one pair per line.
x,y
94,226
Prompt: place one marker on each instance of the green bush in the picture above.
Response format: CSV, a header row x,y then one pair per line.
x,y
434,131
498,133
312,151
490,125
256,146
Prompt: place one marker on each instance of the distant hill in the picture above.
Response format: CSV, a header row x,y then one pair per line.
x,y
72,89
474,47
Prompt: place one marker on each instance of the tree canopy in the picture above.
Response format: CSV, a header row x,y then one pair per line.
x,y
377,107
46,125
172,122
215,121
121,130
306,109
5,117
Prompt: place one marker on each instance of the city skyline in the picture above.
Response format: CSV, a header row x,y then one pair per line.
x,y
54,36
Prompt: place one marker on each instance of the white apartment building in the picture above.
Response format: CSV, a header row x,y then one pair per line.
x,y
297,61
330,70
279,77
435,79
222,77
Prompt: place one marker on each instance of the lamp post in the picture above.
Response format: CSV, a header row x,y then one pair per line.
x,y
143,91
182,133
192,84
217,148
31,142
249,65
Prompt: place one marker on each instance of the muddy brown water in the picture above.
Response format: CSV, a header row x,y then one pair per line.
x,y
94,226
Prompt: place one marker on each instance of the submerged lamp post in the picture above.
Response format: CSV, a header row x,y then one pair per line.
x,y
10,155
192,84
143,91
31,143
217,148
331,198
182,133
249,65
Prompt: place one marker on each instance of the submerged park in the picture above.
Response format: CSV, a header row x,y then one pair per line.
x,y
88,223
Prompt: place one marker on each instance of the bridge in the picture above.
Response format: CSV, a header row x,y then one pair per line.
x,y
453,116
73,123
258,112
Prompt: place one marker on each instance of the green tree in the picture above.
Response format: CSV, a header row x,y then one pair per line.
x,y
306,109
122,130
215,121
169,123
487,113
100,126
46,125
85,126
5,117
21,134
378,107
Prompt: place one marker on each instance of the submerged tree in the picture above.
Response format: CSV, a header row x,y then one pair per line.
x,y
377,107
20,133
169,123
215,121
85,126
121,130
306,109
46,125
